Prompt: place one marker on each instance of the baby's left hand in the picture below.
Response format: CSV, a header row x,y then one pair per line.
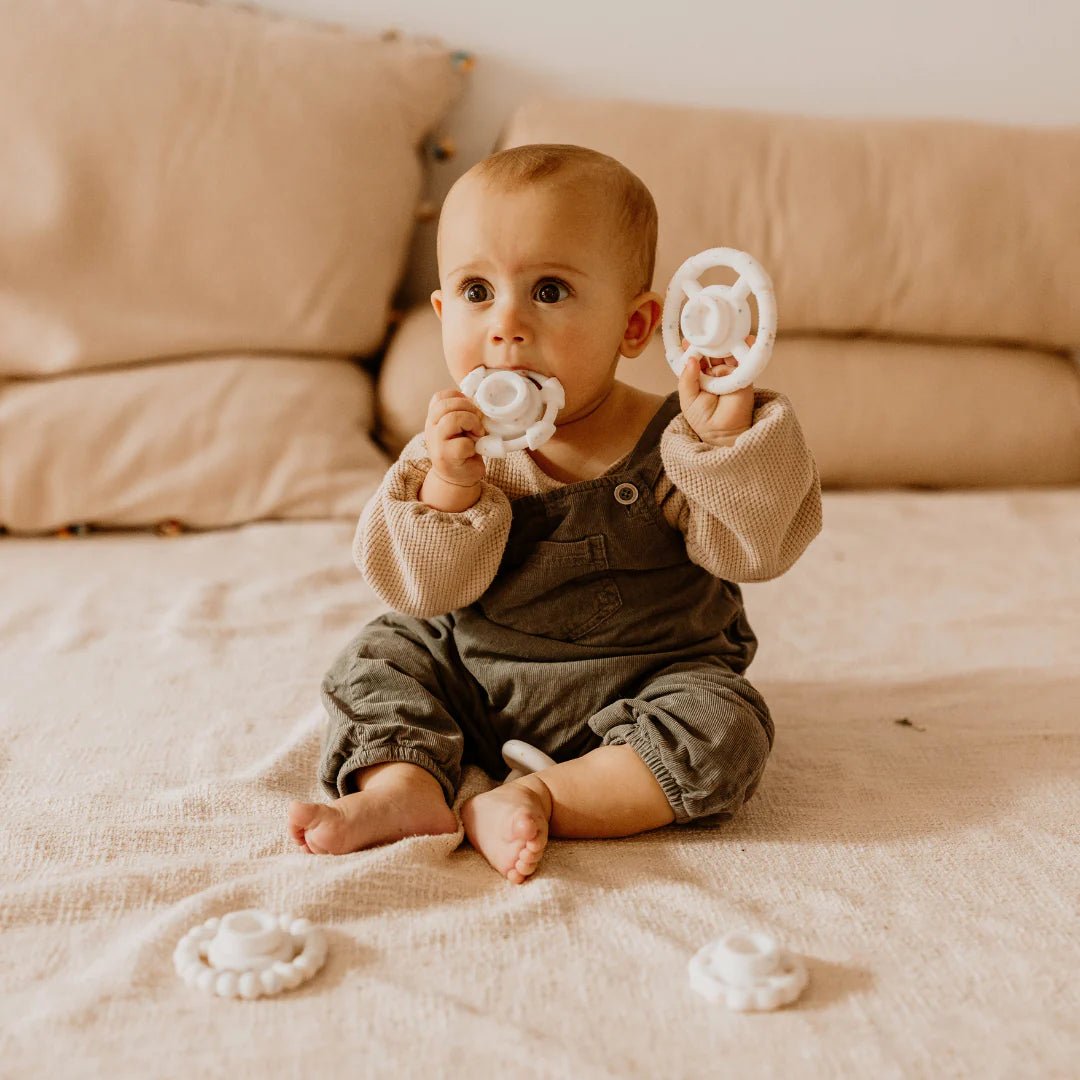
x,y
714,417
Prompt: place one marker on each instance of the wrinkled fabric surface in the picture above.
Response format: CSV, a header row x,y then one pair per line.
x,y
914,834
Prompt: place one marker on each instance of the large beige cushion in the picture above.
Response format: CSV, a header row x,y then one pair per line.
x,y
914,228
208,442
202,211
874,412
178,179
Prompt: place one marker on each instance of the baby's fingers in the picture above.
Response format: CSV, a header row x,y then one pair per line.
x,y
459,425
460,449
450,401
689,379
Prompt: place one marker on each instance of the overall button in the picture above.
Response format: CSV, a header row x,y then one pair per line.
x,y
626,494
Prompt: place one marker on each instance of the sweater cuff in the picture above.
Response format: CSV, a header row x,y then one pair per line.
x,y
404,485
682,443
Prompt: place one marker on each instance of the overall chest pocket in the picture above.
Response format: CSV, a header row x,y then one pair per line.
x,y
563,589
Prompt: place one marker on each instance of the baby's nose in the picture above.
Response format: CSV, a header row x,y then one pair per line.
x,y
500,336
508,328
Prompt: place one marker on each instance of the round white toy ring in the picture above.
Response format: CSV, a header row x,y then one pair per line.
x,y
250,954
747,971
716,318
519,408
523,759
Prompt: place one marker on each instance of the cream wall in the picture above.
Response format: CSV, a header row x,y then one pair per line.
x,y
992,60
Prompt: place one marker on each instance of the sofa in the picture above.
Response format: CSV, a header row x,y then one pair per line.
x,y
212,345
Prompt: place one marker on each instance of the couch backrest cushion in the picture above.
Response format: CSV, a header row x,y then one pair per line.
x,y
178,179
875,412
913,228
206,441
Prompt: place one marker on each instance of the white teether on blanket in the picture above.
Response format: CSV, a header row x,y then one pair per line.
x,y
747,971
519,408
716,318
250,954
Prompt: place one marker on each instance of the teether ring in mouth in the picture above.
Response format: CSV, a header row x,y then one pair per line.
x,y
716,318
747,971
250,954
519,408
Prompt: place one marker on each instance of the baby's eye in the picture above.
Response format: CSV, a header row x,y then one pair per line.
x,y
551,291
476,292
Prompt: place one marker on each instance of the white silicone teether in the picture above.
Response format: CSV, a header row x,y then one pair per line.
x,y
523,759
716,318
747,971
519,408
250,954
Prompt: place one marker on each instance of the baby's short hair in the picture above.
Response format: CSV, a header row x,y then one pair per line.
x,y
578,166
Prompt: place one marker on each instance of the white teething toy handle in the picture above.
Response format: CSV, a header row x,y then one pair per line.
x,y
716,318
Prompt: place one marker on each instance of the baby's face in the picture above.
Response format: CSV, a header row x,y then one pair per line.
x,y
531,279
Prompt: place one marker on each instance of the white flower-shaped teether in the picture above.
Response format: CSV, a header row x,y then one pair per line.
x,y
716,318
519,408
250,954
747,971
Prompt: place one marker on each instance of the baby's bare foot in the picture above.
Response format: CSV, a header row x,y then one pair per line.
x,y
379,814
509,827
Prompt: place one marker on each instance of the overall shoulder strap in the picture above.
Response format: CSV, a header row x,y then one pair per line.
x,y
648,445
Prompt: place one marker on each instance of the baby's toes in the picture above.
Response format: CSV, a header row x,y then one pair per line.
x,y
315,826
525,867
528,859
301,816
522,870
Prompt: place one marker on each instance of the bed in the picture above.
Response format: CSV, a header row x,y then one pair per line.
x,y
914,837
180,480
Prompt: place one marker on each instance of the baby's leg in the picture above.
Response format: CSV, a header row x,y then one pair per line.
x,y
704,732
394,799
393,750
608,792
692,745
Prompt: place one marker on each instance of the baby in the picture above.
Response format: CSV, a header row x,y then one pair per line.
x,y
580,596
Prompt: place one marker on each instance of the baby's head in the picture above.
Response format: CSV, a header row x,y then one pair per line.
x,y
545,262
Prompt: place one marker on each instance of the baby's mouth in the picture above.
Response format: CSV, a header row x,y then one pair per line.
x,y
513,367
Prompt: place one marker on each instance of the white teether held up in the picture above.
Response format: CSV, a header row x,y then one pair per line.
x,y
519,408
716,318
250,954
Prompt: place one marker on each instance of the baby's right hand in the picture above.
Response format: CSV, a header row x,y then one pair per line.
x,y
454,423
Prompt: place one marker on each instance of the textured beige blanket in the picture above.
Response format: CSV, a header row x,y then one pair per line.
x,y
914,838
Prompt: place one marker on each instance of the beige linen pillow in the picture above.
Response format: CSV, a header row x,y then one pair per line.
x,y
199,207
178,179
207,442
914,228
874,412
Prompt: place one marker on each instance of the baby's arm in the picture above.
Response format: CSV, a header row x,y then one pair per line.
x,y
748,509
425,561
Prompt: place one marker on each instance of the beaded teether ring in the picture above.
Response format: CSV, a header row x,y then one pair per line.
x,y
250,954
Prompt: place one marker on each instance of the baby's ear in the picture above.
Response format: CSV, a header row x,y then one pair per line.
x,y
645,312
436,302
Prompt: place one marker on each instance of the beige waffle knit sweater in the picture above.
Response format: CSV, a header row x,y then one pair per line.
x,y
748,510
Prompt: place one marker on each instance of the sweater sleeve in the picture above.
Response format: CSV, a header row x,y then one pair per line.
x,y
750,509
423,561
